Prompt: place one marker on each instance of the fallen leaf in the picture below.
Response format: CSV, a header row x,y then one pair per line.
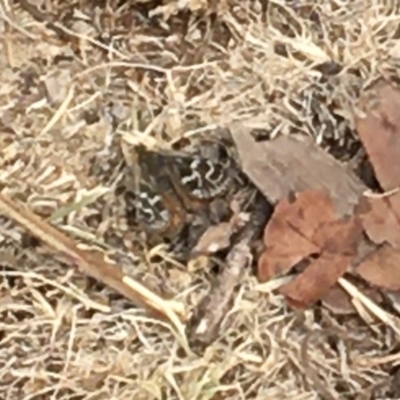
x,y
288,235
316,280
295,231
218,237
338,301
339,237
308,226
379,220
381,268
214,239
379,131
294,164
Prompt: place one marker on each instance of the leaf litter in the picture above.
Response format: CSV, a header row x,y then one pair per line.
x,y
380,134
305,230
255,68
218,237
302,227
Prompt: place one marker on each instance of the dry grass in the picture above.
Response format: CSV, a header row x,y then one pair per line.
x,y
64,104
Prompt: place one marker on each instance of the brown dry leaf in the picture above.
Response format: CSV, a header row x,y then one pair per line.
x,y
340,236
381,268
379,132
290,164
338,301
379,221
338,245
288,236
304,227
214,239
218,237
316,280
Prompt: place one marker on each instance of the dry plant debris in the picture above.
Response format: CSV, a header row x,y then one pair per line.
x,y
294,163
218,237
310,223
379,132
76,77
92,263
205,323
308,226
379,219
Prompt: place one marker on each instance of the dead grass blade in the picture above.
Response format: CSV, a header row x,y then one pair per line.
x,y
321,388
388,319
92,263
60,111
78,205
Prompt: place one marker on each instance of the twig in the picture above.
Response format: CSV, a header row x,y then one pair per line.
x,y
206,320
204,324
92,262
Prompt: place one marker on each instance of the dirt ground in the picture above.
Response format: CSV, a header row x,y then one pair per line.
x,y
77,78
